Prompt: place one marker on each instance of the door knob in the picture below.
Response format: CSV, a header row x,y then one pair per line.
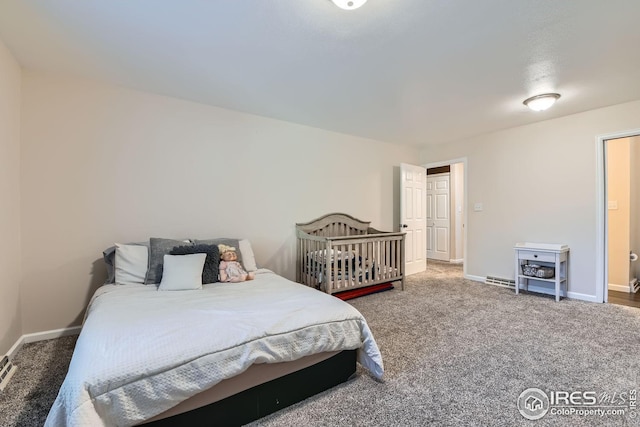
x,y
403,226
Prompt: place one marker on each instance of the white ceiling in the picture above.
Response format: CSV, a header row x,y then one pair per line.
x,y
403,71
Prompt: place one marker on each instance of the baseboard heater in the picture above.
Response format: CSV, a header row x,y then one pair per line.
x,y
499,281
7,369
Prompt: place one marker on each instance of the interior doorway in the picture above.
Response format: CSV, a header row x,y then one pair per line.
x,y
622,156
446,237
618,171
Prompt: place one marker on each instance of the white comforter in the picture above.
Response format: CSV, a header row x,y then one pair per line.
x,y
142,351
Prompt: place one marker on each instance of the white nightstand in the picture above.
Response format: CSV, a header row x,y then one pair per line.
x,y
544,254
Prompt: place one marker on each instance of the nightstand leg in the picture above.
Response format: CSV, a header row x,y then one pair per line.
x,y
517,273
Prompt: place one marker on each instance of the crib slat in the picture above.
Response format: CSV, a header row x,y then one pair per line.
x,y
365,263
342,266
317,249
374,263
381,257
399,254
321,273
350,262
383,262
298,259
328,274
312,262
316,264
397,265
334,268
304,261
374,257
308,261
393,259
387,248
357,264
378,259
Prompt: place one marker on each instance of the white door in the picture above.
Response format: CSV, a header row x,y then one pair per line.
x,y
438,220
412,216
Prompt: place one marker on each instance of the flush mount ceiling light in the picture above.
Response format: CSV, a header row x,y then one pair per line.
x,y
349,4
541,102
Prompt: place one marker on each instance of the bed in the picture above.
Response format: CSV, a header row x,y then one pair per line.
x,y
198,357
338,252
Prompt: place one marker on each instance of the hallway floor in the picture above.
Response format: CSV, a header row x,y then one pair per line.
x,y
625,298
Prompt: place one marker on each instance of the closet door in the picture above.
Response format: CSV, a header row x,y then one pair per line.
x,y
438,217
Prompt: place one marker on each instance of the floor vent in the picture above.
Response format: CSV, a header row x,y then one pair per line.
x,y
7,369
634,285
499,281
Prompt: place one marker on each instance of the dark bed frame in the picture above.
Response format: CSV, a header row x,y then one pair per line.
x,y
267,398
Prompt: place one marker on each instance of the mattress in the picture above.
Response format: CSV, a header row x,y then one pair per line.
x,y
143,351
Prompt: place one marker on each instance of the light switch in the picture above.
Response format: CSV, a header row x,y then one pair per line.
x,y
477,207
612,205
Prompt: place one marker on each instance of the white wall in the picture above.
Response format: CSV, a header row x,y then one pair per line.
x,y
10,86
537,183
103,164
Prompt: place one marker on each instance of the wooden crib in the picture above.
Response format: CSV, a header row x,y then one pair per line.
x,y
338,252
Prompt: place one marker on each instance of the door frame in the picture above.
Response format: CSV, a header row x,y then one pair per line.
x,y
465,192
602,214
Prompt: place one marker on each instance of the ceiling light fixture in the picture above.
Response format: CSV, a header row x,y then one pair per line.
x,y
541,102
349,4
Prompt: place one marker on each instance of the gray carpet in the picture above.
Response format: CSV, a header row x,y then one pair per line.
x,y
42,367
456,353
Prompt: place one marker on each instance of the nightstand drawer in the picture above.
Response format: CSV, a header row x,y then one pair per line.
x,y
537,256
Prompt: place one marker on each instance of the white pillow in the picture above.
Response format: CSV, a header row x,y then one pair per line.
x,y
248,259
182,272
131,263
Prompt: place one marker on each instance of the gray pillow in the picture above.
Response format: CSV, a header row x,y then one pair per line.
x,y
211,267
158,248
223,241
109,256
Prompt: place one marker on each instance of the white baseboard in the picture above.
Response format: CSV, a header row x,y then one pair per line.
x,y
475,278
584,297
619,288
552,291
42,336
15,347
541,289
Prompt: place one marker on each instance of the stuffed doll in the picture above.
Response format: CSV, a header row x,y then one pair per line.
x,y
230,269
